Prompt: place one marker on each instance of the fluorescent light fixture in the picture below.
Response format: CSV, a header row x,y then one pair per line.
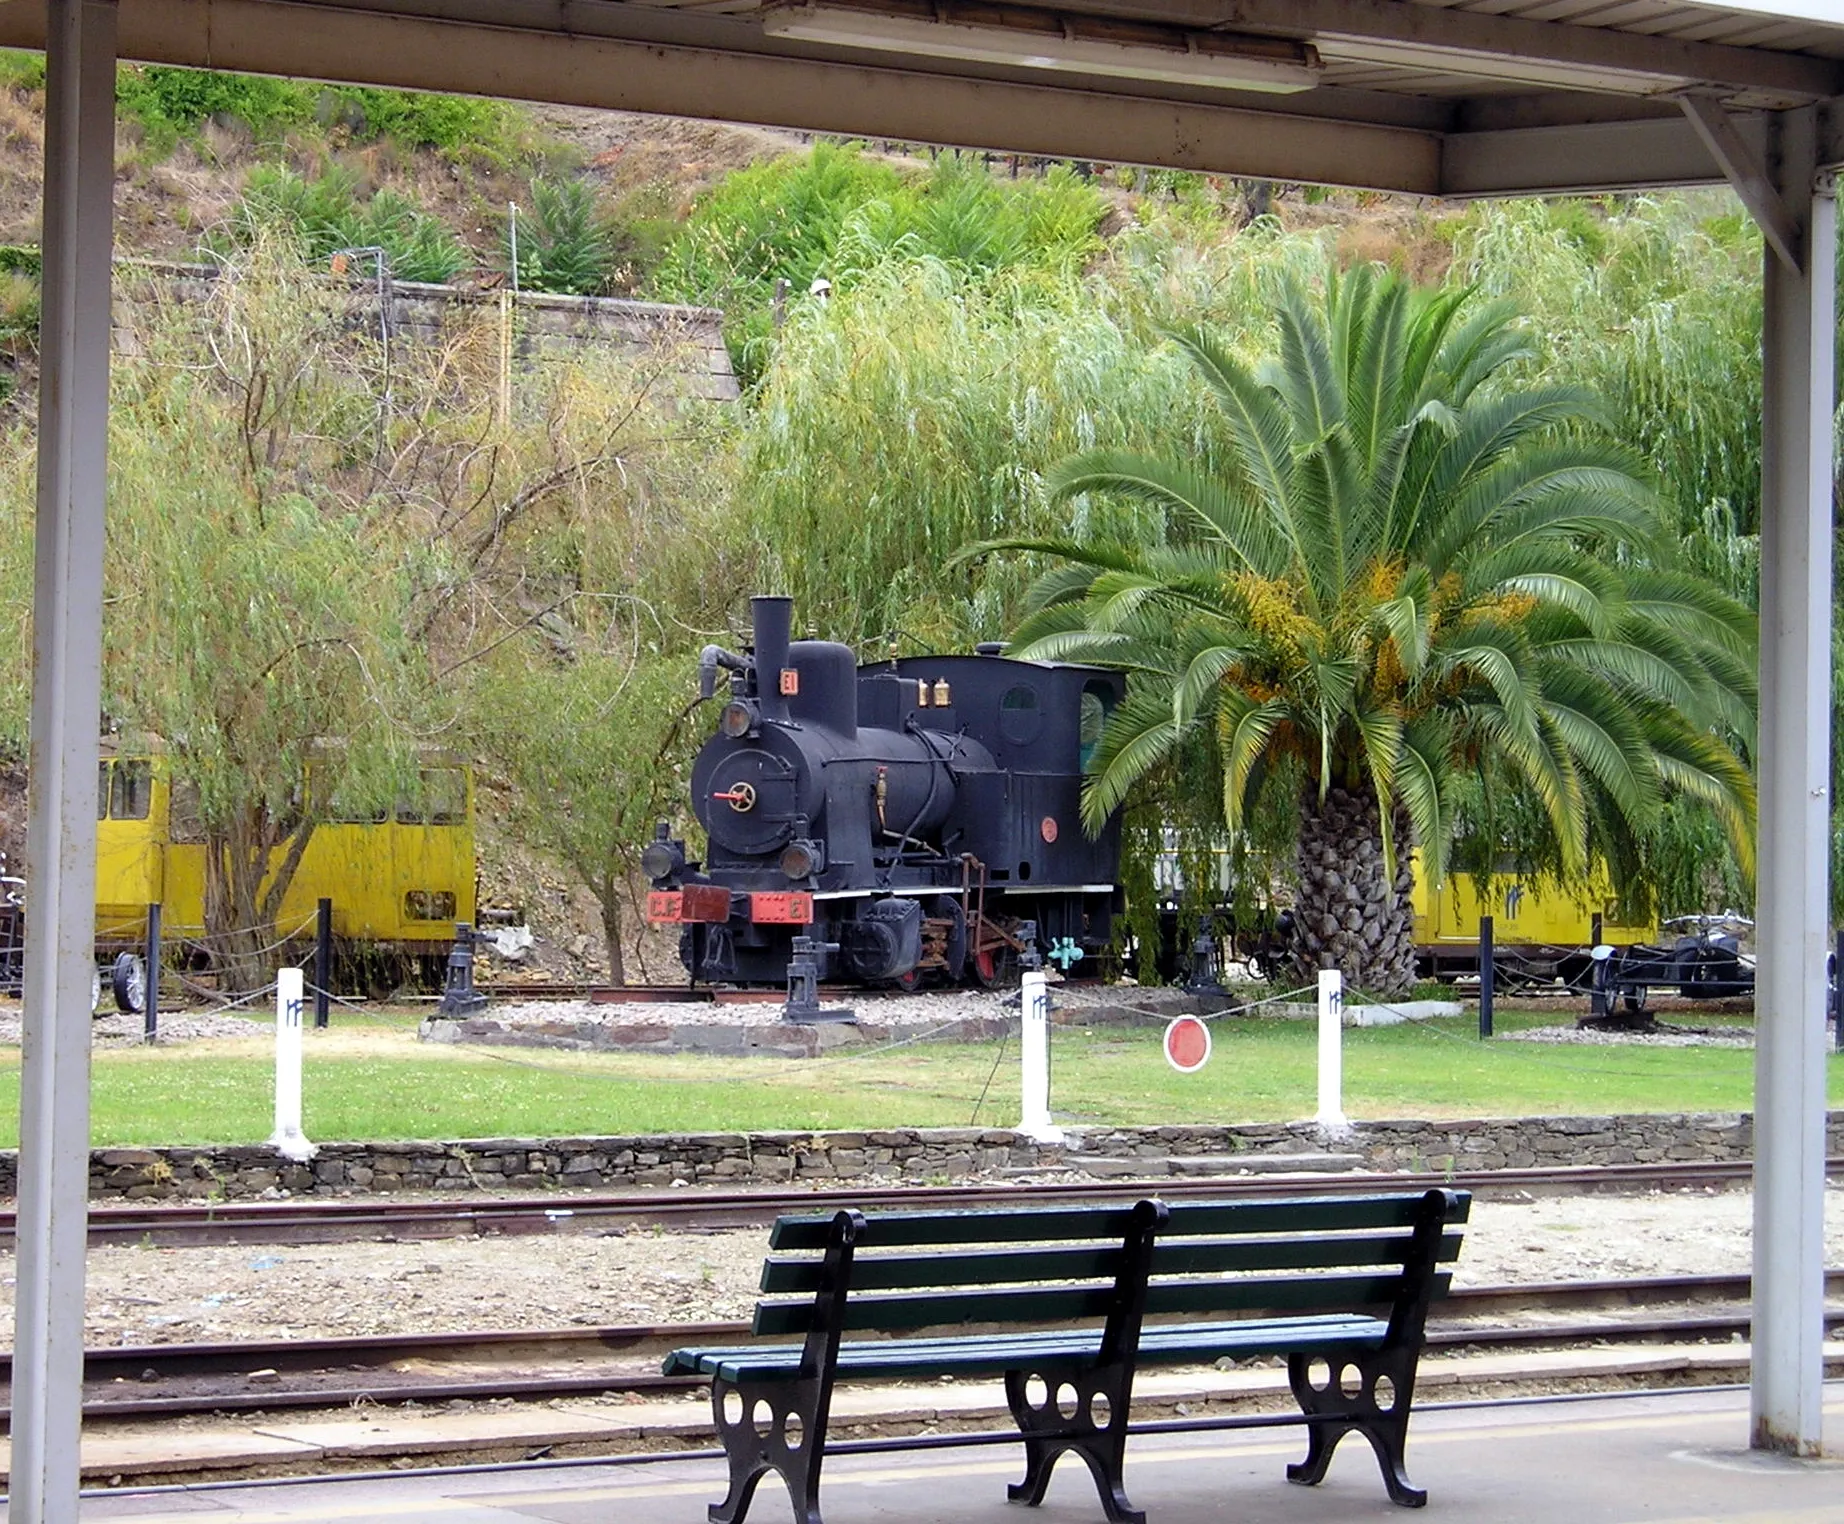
x,y
1043,40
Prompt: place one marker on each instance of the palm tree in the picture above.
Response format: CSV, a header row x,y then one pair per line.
x,y
1413,569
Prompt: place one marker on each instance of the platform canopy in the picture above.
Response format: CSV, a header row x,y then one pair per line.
x,y
1431,97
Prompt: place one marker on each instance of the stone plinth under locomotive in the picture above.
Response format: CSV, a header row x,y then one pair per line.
x,y
918,819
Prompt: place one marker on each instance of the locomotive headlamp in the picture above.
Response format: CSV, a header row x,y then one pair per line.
x,y
738,719
802,859
661,859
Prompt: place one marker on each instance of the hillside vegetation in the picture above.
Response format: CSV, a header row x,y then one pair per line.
x,y
922,337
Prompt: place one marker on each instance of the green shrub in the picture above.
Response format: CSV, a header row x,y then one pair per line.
x,y
170,103
20,70
19,310
331,212
568,245
835,213
452,124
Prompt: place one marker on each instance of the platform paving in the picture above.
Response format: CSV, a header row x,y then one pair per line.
x,y
1679,1458
150,1450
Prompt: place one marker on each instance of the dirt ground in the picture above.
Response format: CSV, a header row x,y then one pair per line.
x,y
153,1295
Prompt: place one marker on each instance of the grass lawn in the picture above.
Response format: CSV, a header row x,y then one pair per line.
x,y
371,1079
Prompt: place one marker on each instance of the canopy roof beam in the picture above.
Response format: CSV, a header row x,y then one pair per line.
x,y
1746,171
1469,42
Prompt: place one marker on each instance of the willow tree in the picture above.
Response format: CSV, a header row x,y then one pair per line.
x,y
1410,568
258,623
322,546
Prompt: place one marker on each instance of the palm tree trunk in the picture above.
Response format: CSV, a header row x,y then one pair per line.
x,y
1347,916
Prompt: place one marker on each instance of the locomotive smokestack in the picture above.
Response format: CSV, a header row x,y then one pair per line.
x,y
773,619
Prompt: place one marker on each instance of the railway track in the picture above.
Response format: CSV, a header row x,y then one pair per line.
x,y
316,1221
173,1380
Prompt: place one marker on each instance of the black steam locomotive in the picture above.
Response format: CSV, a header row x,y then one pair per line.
x,y
914,819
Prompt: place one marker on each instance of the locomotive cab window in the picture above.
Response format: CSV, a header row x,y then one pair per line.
x,y
1097,705
1019,716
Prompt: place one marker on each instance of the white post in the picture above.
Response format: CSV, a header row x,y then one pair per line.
x,y
289,1000
1798,395
1034,1046
54,1081
1331,1048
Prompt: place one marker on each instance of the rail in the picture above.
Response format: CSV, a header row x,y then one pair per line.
x,y
171,1380
313,1221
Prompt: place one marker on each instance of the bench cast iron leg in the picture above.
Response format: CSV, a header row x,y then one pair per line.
x,y
1337,1412
1099,1438
788,1439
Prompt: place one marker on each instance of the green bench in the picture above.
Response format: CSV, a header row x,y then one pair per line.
x,y
1056,1300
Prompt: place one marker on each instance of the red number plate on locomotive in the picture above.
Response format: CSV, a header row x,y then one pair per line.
x,y
695,902
792,909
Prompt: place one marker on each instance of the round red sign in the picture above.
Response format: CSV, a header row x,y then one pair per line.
x,y
1187,1044
1048,829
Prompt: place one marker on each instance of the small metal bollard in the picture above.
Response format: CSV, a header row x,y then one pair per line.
x,y
803,1003
459,997
1202,976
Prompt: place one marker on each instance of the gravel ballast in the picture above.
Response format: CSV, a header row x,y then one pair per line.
x,y
159,1295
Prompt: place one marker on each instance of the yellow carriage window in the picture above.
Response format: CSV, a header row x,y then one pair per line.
x,y
351,807
132,795
185,817
102,791
443,801
429,905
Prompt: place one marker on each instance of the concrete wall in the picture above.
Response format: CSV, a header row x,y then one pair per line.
x,y
928,1154
541,324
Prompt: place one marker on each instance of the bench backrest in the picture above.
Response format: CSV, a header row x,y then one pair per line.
x,y
914,1270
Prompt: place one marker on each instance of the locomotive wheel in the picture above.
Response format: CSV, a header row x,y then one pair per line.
x,y
992,967
128,983
909,982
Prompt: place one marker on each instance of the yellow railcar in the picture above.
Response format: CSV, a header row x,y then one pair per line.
x,y
398,879
1541,931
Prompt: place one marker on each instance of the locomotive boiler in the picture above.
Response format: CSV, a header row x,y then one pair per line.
x,y
913,819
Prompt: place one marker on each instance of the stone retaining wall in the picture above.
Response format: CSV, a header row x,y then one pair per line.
x,y
926,1154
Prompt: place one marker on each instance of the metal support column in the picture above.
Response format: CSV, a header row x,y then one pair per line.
x,y
73,418
1799,340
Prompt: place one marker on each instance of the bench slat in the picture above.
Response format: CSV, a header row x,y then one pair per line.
x,y
1172,1340
991,1267
1008,1225
988,1267
1215,1256
1058,1304
1305,1215
1037,1304
996,1354
1344,1291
